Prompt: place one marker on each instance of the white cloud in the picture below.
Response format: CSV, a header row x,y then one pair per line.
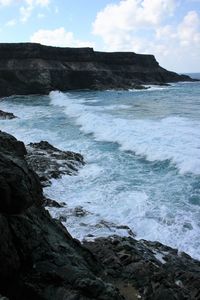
x,y
27,9
43,2
11,23
179,45
5,2
189,29
154,11
129,15
40,16
56,10
37,2
145,26
165,32
25,13
58,37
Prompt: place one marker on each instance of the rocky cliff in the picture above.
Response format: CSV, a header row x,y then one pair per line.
x,y
40,260
38,257
27,68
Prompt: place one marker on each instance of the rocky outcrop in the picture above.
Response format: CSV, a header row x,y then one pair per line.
x,y
19,186
38,257
40,260
49,162
27,68
158,272
6,115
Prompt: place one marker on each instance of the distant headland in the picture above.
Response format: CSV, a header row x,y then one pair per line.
x,y
29,68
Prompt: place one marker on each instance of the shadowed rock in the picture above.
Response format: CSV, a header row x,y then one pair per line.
x,y
52,203
49,162
19,185
157,271
40,260
27,68
38,257
6,115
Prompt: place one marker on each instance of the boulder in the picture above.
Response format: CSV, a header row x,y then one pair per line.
x,y
50,162
6,115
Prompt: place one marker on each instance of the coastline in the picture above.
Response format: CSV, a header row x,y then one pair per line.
x,y
27,113
108,268
28,68
39,258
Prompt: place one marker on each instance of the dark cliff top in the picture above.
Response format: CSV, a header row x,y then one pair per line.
x,y
36,50
30,68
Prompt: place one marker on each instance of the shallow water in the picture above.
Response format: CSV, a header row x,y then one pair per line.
x,y
142,150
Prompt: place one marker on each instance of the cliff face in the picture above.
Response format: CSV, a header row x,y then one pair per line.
x,y
27,68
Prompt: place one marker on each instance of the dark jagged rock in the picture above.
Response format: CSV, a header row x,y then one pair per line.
x,y
19,185
40,260
27,68
79,211
3,298
38,257
157,271
52,203
49,162
6,115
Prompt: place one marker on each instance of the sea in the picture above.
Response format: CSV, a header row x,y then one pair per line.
x,y
142,154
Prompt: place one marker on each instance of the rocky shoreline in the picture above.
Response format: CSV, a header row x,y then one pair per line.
x,y
28,68
40,260
6,115
49,162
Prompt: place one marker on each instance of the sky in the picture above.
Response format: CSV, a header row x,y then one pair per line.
x,y
169,29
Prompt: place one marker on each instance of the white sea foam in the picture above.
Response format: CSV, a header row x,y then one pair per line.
x,y
105,186
118,106
173,138
26,127
152,87
101,200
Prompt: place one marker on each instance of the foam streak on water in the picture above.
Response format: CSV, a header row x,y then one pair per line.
x,y
172,138
142,152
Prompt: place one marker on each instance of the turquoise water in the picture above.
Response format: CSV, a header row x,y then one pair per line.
x,y
142,150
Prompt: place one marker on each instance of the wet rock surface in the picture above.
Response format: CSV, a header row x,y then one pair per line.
x,y
52,203
157,271
6,115
38,257
49,162
3,298
19,185
28,68
40,260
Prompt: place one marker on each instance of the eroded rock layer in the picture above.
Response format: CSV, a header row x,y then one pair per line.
x,y
27,68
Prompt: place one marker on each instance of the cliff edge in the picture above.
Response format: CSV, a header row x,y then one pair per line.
x,y
28,68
